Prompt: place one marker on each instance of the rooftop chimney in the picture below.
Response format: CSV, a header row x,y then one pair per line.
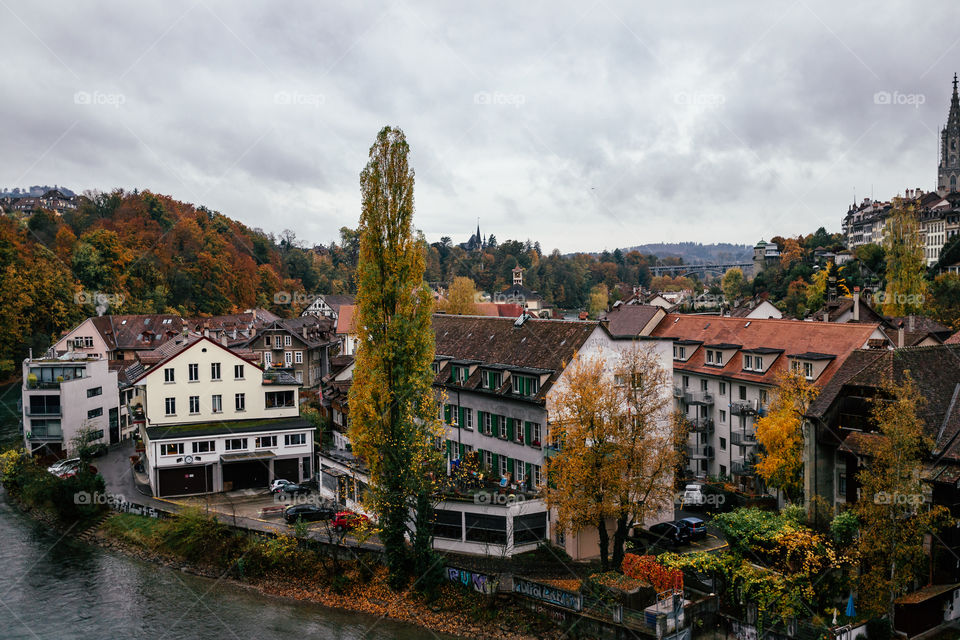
x,y
900,335
856,304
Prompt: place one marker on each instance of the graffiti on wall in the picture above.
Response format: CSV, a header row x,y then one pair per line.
x,y
550,595
479,582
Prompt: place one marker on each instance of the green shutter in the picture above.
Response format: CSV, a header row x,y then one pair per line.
x,y
509,428
529,478
526,432
509,465
463,451
479,426
461,421
446,413
448,448
495,463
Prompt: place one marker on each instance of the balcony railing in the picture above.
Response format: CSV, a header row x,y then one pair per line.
x,y
703,452
681,394
43,411
743,408
43,384
743,468
743,439
701,425
45,433
700,397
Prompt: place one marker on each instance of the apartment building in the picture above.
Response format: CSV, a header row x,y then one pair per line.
x,y
725,371
299,346
63,395
216,421
120,337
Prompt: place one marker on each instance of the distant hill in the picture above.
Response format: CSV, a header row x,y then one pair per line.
x,y
34,191
697,252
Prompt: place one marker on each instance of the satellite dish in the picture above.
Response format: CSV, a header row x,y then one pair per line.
x,y
188,460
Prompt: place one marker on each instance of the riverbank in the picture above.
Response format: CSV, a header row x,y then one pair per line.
x,y
359,586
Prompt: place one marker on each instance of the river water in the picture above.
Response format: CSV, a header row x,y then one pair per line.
x,y
53,588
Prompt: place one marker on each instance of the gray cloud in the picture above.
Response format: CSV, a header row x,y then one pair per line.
x,y
582,125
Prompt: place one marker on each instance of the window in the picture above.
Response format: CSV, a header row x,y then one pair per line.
x,y
294,439
288,358
171,448
502,427
171,406
193,372
808,370
709,356
723,415
266,342
435,367
719,359
265,442
493,380
168,375
703,385
205,446
96,391
723,444
240,400
535,434
267,358
216,403
468,419
88,342
484,528
502,460
723,470
525,385
488,460
686,381
842,484
235,444
287,341
535,474
488,423
519,469
447,524
298,357
743,392
278,399
238,372
747,362
518,431
194,404
454,411
763,396
458,374
794,366
214,370
723,388
758,363
95,413
679,353
277,342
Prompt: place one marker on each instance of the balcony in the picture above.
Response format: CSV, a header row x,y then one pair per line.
x,y
41,412
681,394
45,433
743,468
702,452
743,408
701,425
700,397
43,384
743,439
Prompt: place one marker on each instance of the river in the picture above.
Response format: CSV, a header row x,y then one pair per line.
x,y
53,588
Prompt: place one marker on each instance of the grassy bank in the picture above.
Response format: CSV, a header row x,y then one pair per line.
x,y
288,566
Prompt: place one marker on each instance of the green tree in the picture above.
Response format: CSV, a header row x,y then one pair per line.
x,y
392,408
945,299
599,295
733,284
905,264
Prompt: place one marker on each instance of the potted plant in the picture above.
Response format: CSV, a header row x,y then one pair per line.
x,y
32,381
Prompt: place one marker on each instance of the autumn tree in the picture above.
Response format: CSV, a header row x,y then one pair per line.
x,y
461,297
733,284
392,408
599,296
894,515
780,435
905,263
945,300
617,454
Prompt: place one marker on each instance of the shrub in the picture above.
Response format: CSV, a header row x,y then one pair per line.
x,y
198,536
844,528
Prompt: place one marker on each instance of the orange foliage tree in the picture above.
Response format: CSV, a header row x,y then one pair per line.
x,y
780,435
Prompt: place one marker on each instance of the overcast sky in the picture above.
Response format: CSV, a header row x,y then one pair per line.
x,y
584,125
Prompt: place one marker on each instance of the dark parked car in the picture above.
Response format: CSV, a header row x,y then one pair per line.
x,y
696,527
308,513
292,489
671,533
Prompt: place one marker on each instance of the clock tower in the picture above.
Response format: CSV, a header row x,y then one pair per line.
x,y
948,173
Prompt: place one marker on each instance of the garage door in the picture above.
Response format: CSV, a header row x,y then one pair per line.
x,y
252,474
288,469
178,481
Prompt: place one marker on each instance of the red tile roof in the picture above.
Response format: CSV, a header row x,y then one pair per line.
x,y
793,337
345,319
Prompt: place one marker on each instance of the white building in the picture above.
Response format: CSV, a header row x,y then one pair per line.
x,y
62,395
214,421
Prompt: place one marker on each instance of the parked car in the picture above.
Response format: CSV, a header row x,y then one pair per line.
x,y
73,469
308,513
278,483
346,520
60,464
693,496
695,526
292,489
671,533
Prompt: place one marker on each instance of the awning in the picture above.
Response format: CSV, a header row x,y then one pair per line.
x,y
928,592
248,455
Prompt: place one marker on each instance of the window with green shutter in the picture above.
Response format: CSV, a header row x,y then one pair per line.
x,y
509,465
526,432
509,428
461,420
446,413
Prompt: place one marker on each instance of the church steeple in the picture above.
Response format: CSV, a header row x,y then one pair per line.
x,y
948,173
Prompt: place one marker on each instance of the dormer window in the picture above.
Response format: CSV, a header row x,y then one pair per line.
x,y
808,370
748,362
525,385
435,367
679,352
492,379
718,358
458,374
709,356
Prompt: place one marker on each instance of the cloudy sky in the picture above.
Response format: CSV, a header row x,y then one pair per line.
x,y
584,125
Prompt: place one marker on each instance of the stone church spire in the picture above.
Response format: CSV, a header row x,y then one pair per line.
x,y
948,173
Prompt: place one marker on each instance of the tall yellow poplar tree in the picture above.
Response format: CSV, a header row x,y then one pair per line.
x,y
392,408
905,263
780,435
